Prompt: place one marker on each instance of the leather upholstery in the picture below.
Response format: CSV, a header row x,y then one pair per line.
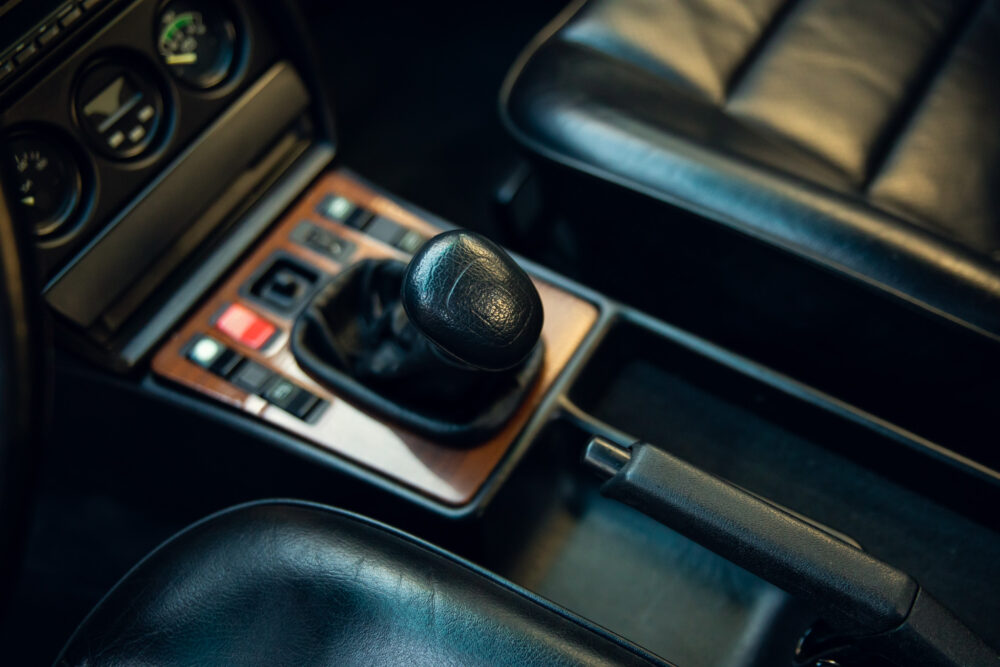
x,y
861,135
286,583
470,298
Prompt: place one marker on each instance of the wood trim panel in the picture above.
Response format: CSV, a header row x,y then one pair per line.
x,y
448,474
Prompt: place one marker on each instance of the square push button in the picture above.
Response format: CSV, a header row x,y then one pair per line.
x,y
206,351
291,399
49,35
251,377
336,208
212,355
25,54
70,17
385,230
323,241
245,326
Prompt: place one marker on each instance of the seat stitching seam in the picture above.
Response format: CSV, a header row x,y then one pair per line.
x,y
752,56
903,117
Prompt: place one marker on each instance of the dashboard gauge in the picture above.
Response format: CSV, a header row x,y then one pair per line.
x,y
197,42
44,180
120,108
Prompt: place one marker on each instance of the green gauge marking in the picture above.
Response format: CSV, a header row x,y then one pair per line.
x,y
197,41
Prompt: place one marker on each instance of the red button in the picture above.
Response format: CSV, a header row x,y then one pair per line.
x,y
245,326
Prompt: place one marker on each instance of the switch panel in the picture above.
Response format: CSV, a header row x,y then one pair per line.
x,y
253,378
323,241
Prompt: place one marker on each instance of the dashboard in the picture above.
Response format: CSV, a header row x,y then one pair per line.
x,y
121,109
133,134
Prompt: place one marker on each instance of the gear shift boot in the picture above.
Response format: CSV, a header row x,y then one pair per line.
x,y
357,337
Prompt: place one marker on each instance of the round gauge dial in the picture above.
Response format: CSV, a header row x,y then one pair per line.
x,y
120,108
197,42
44,180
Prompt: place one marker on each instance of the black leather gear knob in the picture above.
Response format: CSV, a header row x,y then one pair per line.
x,y
467,296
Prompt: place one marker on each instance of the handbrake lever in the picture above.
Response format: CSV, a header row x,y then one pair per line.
x,y
875,608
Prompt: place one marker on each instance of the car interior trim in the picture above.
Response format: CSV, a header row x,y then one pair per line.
x,y
83,290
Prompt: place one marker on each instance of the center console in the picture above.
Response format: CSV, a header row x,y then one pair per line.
x,y
607,369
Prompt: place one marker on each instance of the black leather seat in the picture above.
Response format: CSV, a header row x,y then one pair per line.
x,y
287,583
863,135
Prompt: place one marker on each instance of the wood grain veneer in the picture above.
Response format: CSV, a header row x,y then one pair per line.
x,y
449,474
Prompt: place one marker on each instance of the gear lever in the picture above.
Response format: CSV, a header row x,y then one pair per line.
x,y
448,345
469,298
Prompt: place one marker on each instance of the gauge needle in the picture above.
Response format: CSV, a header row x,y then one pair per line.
x,y
182,58
28,201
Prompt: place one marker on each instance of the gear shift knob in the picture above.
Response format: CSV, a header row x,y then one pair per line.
x,y
466,295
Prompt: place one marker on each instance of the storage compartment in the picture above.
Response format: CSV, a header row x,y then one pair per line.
x,y
755,427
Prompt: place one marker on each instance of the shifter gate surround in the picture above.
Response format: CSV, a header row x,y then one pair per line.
x,y
454,481
354,337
